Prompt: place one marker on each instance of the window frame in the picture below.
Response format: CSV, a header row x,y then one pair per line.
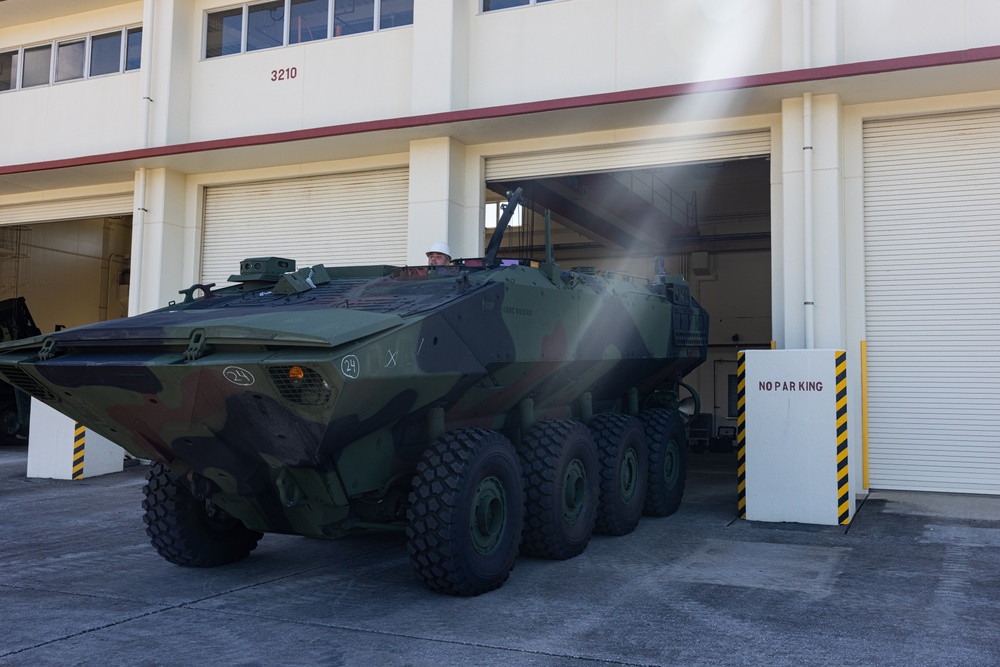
x,y
58,57
54,47
15,69
90,53
31,48
524,3
286,27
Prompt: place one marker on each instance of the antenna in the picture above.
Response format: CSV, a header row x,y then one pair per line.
x,y
513,199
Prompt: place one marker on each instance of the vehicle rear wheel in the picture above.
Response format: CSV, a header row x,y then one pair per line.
x,y
466,512
561,487
621,446
191,532
667,461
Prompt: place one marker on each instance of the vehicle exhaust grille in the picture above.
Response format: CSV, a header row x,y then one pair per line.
x,y
300,384
26,383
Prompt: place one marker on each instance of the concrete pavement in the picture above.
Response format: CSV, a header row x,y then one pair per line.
x,y
915,580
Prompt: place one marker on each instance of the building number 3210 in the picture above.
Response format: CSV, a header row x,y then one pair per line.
x,y
284,74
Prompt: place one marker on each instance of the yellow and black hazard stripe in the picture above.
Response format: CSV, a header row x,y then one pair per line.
x,y
741,435
843,488
79,441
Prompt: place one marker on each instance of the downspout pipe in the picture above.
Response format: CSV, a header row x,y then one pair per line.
x,y
809,303
138,232
807,222
139,199
146,72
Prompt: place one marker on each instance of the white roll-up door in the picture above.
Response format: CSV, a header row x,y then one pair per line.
x,y
628,155
352,219
76,208
932,301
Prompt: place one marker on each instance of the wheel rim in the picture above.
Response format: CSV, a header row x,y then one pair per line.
x,y
574,491
629,475
489,515
671,464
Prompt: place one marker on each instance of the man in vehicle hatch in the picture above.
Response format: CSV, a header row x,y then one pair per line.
x,y
439,254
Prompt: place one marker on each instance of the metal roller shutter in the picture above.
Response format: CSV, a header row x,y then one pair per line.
x,y
932,301
628,156
67,209
338,219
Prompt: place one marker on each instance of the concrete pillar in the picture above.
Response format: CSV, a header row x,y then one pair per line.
x,y
175,40
827,261
437,210
60,448
824,41
440,66
160,264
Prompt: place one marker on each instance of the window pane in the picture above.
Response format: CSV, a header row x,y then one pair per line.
x,y
36,66
70,59
266,25
133,49
8,70
224,33
395,13
308,20
353,16
105,53
490,5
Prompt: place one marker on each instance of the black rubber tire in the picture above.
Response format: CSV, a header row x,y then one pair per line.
x,y
668,455
191,532
465,512
561,487
621,447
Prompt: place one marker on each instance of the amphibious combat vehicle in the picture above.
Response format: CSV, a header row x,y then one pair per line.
x,y
488,407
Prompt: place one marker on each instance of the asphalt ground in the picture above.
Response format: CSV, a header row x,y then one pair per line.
x,y
914,580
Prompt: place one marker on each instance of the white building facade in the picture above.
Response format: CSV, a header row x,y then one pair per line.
x,y
842,154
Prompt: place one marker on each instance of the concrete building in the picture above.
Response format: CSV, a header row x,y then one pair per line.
x,y
823,172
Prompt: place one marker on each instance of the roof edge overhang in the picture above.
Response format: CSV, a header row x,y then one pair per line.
x,y
792,82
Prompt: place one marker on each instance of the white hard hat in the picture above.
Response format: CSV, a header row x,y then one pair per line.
x,y
441,248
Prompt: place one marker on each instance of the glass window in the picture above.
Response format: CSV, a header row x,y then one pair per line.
x,y
308,20
106,53
70,59
8,70
491,5
394,13
224,34
353,16
36,66
133,49
266,25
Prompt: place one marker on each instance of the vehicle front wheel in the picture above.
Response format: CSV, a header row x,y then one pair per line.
x,y
465,512
191,532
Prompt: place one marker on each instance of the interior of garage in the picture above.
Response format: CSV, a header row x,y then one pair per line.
x,y
710,221
70,272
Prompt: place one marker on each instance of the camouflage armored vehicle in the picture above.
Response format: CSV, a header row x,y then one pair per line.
x,y
483,408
